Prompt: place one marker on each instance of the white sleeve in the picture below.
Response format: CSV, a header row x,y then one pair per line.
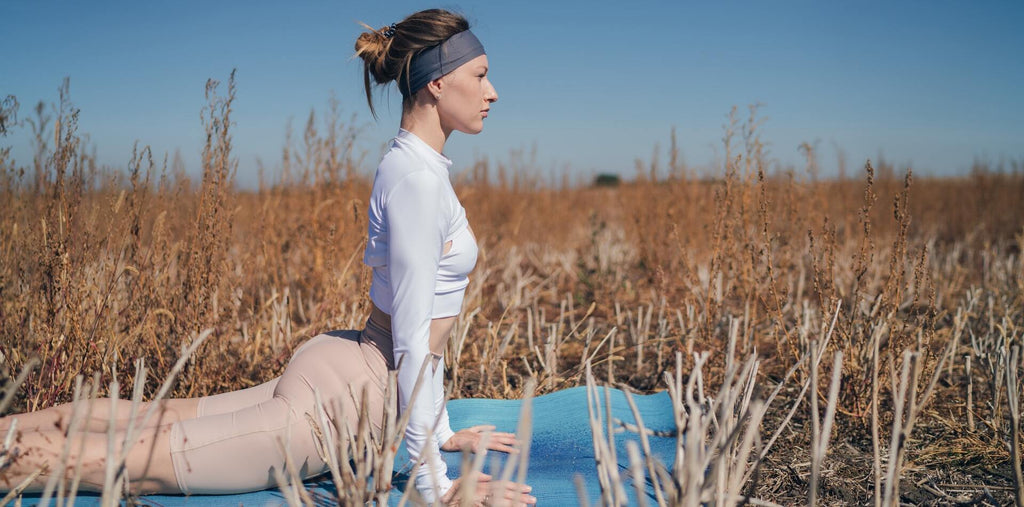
x,y
416,230
444,429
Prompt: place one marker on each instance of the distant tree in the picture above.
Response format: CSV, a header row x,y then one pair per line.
x,y
607,180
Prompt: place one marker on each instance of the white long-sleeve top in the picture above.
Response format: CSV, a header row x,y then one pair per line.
x,y
413,213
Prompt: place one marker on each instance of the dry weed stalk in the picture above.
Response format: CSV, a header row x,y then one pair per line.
x,y
909,403
1013,390
822,432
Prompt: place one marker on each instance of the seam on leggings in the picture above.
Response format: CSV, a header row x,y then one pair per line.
x,y
201,407
382,385
177,458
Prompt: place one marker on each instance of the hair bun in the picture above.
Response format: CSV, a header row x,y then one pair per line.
x,y
386,52
372,47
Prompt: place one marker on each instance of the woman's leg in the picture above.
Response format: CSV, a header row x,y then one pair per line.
x,y
176,409
240,451
233,451
148,462
57,418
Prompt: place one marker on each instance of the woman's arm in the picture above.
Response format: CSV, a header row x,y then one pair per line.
x,y
417,224
444,428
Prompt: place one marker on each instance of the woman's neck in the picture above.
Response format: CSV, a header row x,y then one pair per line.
x,y
425,124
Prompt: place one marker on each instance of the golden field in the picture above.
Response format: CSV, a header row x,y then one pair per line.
x,y
878,316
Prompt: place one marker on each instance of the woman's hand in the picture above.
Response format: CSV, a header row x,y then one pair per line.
x,y
470,439
488,492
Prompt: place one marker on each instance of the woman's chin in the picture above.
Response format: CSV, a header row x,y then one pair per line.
x,y
473,128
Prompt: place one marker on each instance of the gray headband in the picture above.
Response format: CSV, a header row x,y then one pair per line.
x,y
436,61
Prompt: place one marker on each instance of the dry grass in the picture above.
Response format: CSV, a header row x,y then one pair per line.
x,y
862,334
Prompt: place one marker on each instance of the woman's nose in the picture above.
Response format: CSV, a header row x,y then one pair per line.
x,y
491,95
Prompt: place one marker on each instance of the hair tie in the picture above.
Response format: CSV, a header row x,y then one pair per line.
x,y
388,32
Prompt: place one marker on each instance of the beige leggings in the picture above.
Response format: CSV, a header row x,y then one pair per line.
x,y
236,440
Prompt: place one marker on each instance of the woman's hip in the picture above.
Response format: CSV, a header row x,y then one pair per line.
x,y
339,366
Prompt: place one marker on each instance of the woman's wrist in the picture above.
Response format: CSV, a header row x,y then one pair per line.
x,y
432,488
443,435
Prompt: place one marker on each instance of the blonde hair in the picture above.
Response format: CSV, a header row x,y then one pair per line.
x,y
388,52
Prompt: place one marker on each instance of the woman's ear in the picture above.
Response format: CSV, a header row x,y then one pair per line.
x,y
435,88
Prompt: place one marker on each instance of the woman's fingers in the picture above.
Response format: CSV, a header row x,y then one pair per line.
x,y
496,441
478,483
503,442
510,493
481,429
472,439
490,492
503,446
499,439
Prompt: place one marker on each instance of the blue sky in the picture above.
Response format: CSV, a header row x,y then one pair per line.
x,y
593,85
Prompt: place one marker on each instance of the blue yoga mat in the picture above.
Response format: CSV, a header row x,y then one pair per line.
x,y
562,447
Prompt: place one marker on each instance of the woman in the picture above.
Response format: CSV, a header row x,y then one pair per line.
x,y
421,249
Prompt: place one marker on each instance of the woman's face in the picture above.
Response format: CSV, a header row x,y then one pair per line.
x,y
466,96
